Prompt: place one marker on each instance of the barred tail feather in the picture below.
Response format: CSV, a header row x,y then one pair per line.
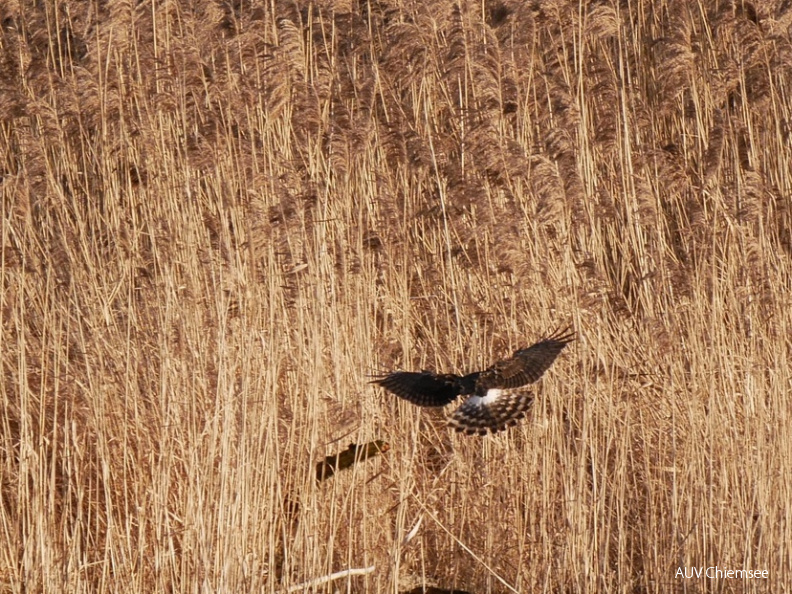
x,y
477,415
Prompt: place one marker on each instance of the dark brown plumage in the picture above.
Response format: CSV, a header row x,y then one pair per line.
x,y
495,398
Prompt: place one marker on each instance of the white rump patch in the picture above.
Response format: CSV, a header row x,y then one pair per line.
x,y
491,396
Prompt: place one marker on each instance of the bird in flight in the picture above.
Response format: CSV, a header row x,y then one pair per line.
x,y
496,397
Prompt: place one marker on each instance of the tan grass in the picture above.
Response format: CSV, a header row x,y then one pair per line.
x,y
219,219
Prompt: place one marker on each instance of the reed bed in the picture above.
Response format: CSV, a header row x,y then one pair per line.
x,y
219,219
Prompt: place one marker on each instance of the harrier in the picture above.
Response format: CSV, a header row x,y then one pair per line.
x,y
497,397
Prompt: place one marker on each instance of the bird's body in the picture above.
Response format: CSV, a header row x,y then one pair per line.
x,y
497,397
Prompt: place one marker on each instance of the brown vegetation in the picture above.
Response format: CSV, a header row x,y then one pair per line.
x,y
220,218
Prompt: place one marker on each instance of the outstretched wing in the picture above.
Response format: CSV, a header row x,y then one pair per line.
x,y
427,388
526,365
495,411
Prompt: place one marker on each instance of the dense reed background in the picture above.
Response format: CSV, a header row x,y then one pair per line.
x,y
220,218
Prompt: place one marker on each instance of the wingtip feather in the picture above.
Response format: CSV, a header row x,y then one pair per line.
x,y
565,334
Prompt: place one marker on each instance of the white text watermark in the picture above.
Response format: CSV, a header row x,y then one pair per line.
x,y
720,573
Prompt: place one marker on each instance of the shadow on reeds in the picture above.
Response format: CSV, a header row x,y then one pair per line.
x,y
350,456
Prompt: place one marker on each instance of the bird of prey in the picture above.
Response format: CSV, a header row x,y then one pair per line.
x,y
496,397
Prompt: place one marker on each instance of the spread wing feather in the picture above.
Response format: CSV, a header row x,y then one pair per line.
x,y
526,365
427,388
